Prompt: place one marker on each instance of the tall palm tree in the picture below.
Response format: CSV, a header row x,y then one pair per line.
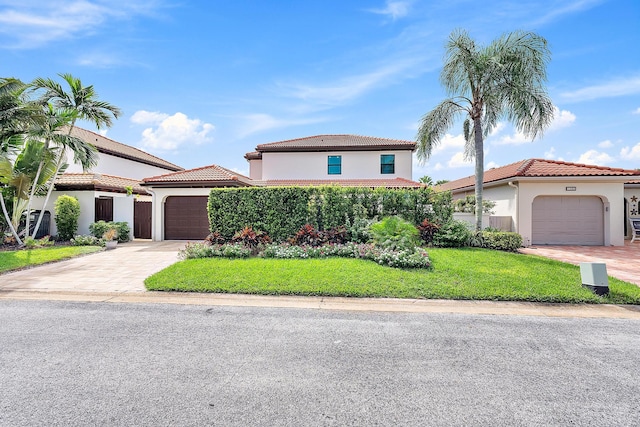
x,y
485,84
78,102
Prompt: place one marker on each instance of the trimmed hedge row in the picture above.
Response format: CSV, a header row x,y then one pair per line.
x,y
282,211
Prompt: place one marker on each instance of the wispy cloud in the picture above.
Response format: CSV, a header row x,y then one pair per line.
x,y
348,88
30,24
169,132
393,9
566,9
637,111
605,144
611,89
256,123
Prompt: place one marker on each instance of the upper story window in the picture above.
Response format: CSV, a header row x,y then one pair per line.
x,y
335,165
387,163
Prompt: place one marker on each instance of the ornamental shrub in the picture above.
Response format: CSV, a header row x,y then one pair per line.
x,y
395,233
98,229
427,230
501,240
67,214
453,234
250,238
84,240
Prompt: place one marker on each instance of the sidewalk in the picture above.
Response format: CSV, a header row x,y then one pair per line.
x,y
117,276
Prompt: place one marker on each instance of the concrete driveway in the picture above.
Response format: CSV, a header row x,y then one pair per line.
x,y
621,261
120,270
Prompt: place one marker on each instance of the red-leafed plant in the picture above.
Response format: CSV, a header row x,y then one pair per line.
x,y
250,238
336,235
309,236
427,230
215,238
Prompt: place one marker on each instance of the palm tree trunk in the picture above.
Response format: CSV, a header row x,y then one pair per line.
x,y
479,156
31,195
46,200
6,217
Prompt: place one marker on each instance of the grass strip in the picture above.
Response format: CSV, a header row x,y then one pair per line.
x,y
468,273
14,260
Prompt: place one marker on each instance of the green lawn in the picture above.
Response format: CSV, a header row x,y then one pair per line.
x,y
12,260
456,274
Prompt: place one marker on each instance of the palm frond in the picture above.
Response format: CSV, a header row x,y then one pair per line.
x,y
434,126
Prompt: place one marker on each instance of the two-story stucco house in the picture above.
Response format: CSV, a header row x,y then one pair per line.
x,y
111,190
180,198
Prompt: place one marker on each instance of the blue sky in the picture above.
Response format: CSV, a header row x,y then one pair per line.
x,y
204,82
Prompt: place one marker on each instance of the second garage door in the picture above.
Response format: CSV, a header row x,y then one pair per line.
x,y
560,220
185,218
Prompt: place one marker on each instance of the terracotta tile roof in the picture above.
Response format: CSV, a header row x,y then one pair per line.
x,y
372,183
212,174
254,155
337,142
98,182
109,146
634,181
538,168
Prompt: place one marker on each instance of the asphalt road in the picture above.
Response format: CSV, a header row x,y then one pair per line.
x,y
133,364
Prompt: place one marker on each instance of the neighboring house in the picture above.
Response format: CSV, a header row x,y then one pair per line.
x,y
551,202
110,191
180,198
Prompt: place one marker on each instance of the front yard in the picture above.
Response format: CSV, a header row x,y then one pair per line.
x,y
17,259
468,273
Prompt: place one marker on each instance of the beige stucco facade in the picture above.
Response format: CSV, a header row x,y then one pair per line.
x,y
515,198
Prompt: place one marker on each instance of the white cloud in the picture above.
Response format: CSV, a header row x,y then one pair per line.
x,y
438,166
499,127
594,157
637,111
491,165
36,23
605,144
393,9
561,119
449,142
610,89
458,161
517,138
632,153
170,132
143,117
103,132
551,154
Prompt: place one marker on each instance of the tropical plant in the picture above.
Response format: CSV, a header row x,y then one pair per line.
x,y
67,211
453,234
250,238
427,180
504,80
468,205
98,229
395,233
427,230
64,108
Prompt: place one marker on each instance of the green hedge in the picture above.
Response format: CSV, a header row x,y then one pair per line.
x,y
501,240
281,211
97,229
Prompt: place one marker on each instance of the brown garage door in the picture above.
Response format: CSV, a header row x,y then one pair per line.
x,y
185,218
571,220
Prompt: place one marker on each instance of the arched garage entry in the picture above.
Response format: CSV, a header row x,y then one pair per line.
x,y
567,220
185,218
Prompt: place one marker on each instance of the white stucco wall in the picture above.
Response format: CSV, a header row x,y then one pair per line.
x,y
355,165
122,208
87,209
117,166
611,194
159,196
255,169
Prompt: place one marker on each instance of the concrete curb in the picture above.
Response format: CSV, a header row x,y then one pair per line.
x,y
391,305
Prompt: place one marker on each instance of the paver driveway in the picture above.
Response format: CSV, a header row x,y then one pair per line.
x,y
621,261
120,270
